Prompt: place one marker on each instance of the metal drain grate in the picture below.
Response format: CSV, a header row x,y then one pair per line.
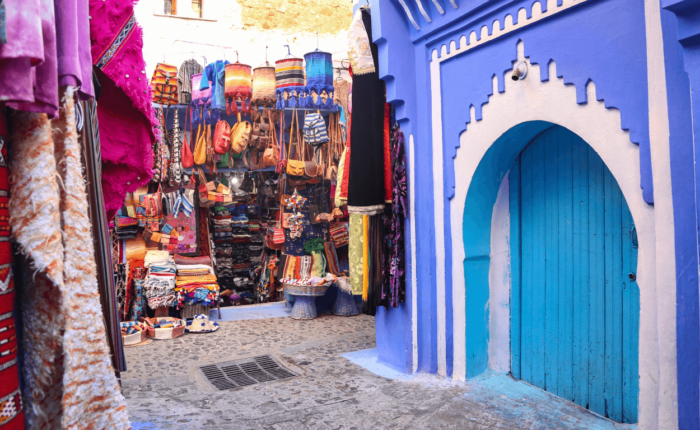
x,y
244,372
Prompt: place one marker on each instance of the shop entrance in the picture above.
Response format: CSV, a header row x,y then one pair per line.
x,y
574,298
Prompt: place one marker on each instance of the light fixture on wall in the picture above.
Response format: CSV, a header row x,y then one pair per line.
x,y
519,71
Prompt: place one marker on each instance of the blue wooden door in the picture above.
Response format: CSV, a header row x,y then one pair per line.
x,y
574,299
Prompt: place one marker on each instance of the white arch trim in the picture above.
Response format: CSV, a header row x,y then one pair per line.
x,y
552,101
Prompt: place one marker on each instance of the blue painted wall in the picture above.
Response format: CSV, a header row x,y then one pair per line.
x,y
599,40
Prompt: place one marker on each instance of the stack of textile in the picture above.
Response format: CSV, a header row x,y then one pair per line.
x,y
127,224
223,243
159,288
241,243
196,284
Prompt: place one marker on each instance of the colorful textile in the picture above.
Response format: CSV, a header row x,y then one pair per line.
x,y
315,133
29,81
263,87
237,86
200,97
319,80
126,121
355,252
290,81
51,225
387,153
359,44
214,78
365,259
394,284
73,46
184,80
341,93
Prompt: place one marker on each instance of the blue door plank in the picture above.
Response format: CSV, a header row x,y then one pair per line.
x,y
516,274
550,149
596,208
539,292
630,296
566,263
527,244
580,279
613,373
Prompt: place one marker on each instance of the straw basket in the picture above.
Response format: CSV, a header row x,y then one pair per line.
x,y
167,333
135,338
305,303
306,290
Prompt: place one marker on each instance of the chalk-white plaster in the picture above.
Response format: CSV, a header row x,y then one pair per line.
x,y
171,39
665,232
552,101
414,268
439,202
499,282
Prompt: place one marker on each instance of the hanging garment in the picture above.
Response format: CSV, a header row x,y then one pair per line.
x,y
176,170
341,92
214,76
356,250
29,81
126,120
51,226
366,187
184,80
73,46
394,284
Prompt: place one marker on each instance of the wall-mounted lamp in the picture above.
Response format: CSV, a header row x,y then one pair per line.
x,y
519,71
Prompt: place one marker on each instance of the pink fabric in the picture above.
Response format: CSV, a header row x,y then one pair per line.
x,y
29,81
127,121
73,46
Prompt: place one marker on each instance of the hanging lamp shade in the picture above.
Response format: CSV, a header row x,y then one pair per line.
x,y
237,86
290,82
264,91
319,80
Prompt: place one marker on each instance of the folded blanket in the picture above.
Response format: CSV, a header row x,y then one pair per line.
x,y
204,259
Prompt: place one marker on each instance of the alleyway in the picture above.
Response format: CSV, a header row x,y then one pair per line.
x,y
331,392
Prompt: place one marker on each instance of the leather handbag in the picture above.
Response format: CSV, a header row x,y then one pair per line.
x,y
186,157
164,84
295,168
200,147
205,189
222,137
240,135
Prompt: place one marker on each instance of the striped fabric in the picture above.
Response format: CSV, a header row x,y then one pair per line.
x,y
238,81
290,73
315,132
184,80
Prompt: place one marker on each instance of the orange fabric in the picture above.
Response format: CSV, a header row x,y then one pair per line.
x,y
346,171
387,153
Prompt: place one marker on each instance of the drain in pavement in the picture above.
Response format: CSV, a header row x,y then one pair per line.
x,y
244,372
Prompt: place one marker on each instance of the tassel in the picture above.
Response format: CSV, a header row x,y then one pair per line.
x,y
228,108
234,107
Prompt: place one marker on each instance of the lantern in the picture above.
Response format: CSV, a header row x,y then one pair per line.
x,y
319,80
290,82
264,87
237,86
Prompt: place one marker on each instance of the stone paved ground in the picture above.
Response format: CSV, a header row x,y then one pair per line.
x,y
164,390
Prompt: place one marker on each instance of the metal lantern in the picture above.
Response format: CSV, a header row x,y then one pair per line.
x,y
237,87
264,91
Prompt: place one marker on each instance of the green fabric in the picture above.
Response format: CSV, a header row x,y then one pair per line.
x,y
317,268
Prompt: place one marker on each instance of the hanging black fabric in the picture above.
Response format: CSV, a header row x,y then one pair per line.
x,y
366,184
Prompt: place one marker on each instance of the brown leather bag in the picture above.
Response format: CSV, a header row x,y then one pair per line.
x,y
295,167
200,147
271,156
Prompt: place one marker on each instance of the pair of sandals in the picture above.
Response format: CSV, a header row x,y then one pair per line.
x,y
337,213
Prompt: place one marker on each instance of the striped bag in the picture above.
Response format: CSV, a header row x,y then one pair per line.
x,y
315,133
164,84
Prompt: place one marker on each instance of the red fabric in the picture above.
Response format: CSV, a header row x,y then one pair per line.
x,y
387,153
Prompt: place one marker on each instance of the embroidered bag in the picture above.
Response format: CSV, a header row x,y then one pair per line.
x,y
186,157
164,84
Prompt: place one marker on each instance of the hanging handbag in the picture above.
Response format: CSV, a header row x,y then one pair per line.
x,y
271,156
240,135
200,148
295,168
164,84
222,137
186,157
315,133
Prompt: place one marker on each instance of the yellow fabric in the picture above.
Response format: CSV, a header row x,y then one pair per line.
x,y
200,148
355,251
365,257
182,280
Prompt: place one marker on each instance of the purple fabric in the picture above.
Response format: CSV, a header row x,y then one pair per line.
x,y
73,46
24,38
43,77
